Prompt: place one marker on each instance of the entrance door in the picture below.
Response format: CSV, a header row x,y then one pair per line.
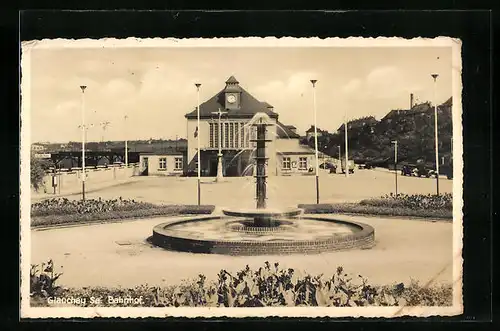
x,y
213,167
231,167
145,166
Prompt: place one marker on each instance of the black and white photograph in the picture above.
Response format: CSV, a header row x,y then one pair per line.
x,y
241,177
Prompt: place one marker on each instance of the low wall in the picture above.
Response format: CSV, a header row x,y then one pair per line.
x,y
71,181
362,238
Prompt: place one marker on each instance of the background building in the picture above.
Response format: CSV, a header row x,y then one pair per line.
x,y
170,163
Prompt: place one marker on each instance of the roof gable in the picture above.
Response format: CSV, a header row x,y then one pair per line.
x,y
232,80
249,106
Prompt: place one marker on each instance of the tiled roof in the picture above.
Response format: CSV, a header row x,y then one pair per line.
x,y
298,150
167,152
249,105
284,132
311,129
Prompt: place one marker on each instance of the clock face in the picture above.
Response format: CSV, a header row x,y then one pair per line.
x,y
231,98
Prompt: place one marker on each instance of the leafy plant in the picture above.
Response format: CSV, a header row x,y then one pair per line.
x,y
267,286
43,280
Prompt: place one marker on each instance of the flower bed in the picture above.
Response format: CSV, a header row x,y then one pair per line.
x,y
63,211
65,206
269,285
414,202
356,208
429,206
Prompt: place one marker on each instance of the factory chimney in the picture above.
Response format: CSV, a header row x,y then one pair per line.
x,y
411,100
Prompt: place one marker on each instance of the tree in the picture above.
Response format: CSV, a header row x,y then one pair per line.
x,y
38,168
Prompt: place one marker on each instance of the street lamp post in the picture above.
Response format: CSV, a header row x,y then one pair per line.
x,y
436,141
395,142
324,157
104,127
313,81
83,87
220,175
346,168
340,156
126,142
198,85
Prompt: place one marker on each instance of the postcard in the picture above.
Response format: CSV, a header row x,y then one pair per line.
x,y
241,177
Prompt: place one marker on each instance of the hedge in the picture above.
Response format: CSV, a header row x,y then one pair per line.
x,y
170,210
356,208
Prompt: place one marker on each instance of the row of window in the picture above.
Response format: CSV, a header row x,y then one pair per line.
x,y
163,163
287,163
231,135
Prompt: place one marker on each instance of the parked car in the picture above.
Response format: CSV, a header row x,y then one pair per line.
x,y
424,171
327,165
431,173
406,171
350,166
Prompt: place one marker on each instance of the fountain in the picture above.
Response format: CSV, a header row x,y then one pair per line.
x,y
261,230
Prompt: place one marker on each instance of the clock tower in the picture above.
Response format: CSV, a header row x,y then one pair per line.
x,y
232,94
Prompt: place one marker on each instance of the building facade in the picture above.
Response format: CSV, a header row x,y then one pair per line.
x,y
233,134
162,164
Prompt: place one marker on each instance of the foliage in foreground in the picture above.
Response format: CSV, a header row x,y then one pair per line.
x,y
267,286
43,280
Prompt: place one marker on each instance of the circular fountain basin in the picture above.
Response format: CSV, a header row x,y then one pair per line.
x,y
237,236
262,213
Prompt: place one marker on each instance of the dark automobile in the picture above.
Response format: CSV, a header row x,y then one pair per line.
x,y
406,171
327,165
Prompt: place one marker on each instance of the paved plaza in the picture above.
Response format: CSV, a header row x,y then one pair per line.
x,y
118,254
282,191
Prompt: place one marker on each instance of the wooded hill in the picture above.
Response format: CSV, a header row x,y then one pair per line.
x,y
370,140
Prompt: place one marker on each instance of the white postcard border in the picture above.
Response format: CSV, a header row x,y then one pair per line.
x,y
191,312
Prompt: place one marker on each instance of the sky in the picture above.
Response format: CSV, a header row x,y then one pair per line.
x,y
154,87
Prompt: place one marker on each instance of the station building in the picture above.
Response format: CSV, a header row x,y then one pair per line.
x,y
286,154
